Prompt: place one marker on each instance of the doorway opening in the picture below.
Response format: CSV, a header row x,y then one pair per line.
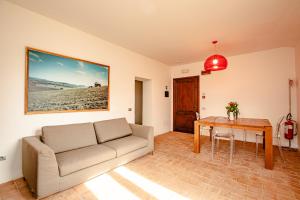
x,y
143,101
138,102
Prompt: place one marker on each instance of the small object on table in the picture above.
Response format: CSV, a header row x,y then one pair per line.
x,y
232,110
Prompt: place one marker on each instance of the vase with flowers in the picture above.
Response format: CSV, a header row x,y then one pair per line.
x,y
232,110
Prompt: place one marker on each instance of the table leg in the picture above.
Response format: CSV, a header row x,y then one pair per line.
x,y
210,132
264,142
268,148
196,137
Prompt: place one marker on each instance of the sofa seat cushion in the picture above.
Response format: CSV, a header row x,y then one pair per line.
x,y
75,160
68,137
127,144
112,129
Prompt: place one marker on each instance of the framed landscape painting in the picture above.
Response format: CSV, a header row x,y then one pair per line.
x,y
56,83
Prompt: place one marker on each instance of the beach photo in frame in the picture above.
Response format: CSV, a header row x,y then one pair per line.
x,y
57,83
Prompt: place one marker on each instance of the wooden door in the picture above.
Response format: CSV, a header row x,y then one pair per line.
x,y
185,103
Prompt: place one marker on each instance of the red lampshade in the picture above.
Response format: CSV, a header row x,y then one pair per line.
x,y
215,62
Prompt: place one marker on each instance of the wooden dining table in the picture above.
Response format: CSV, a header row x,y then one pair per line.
x,y
261,125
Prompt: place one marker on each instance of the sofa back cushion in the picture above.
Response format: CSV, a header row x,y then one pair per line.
x,y
112,129
68,137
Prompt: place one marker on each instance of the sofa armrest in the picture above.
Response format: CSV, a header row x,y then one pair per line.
x,y
39,167
145,132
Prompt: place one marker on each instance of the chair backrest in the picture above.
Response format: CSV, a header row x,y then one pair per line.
x,y
278,127
197,116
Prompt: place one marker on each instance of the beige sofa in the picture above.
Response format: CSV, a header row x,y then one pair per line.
x,y
68,155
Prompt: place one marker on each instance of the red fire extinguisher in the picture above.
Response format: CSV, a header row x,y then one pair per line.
x,y
290,128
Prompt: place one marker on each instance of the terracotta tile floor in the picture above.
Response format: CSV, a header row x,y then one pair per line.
x,y
175,172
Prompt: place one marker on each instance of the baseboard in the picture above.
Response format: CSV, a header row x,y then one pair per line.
x,y
162,134
12,182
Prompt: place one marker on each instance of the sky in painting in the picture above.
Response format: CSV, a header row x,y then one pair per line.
x,y
59,69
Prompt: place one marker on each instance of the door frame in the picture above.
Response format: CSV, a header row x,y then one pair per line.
x,y
147,100
138,89
173,95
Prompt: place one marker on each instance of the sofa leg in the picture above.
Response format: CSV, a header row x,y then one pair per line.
x,y
152,153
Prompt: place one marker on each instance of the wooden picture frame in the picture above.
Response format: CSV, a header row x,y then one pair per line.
x,y
56,83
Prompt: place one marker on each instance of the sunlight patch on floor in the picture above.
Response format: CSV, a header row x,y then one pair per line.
x,y
147,185
105,187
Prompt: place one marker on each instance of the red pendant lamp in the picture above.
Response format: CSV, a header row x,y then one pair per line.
x,y
215,62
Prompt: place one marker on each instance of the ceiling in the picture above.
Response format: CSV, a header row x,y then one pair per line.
x,y
180,31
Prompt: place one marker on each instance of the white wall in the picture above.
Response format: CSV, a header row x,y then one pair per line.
x,y
20,28
297,58
257,81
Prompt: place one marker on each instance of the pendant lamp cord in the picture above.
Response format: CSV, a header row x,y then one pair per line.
x,y
215,42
